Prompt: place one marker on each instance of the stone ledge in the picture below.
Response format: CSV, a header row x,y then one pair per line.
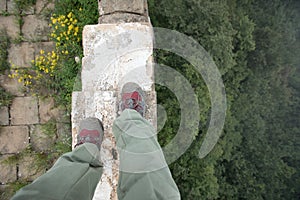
x,y
101,104
117,53
122,18
130,6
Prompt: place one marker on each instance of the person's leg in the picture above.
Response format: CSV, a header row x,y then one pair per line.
x,y
144,173
76,174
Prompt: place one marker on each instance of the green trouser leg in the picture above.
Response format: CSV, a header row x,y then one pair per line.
x,y
75,175
144,173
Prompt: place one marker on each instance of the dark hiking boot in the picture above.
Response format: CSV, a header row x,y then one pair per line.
x,y
133,97
91,131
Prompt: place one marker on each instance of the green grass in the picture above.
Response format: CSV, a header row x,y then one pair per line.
x,y
4,46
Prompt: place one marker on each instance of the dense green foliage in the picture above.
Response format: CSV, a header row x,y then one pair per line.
x,y
4,45
65,78
256,46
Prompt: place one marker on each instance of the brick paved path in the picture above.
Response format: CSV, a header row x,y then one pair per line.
x,y
22,123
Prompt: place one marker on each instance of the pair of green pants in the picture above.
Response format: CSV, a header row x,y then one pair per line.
x,y
144,174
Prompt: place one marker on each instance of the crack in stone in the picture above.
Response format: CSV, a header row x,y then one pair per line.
x,y
124,12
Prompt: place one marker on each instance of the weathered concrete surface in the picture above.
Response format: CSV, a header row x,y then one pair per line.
x,y
103,106
114,54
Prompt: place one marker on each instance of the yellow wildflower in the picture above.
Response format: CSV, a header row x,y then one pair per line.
x,y
54,21
70,15
70,27
53,55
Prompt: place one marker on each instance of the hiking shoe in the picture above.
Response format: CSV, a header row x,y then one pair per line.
x,y
91,131
133,97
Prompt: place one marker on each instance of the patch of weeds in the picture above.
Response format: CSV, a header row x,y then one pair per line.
x,y
54,73
49,128
4,13
18,39
19,20
63,145
4,46
11,189
5,97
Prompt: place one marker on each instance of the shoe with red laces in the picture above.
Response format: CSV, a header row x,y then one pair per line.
x,y
133,97
90,131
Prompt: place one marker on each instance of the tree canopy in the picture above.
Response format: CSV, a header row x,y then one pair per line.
x,y
256,45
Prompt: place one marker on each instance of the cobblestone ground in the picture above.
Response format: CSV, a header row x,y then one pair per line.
x,y
29,123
